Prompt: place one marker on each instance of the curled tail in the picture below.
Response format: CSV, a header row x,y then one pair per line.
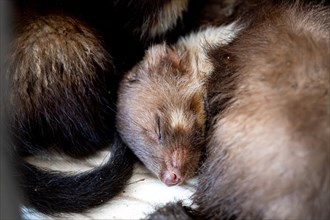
x,y
52,192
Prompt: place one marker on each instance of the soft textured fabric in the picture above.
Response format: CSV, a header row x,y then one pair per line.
x,y
143,194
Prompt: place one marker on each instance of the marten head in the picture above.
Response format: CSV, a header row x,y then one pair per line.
x,y
161,114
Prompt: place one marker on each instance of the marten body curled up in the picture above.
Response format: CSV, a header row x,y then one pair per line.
x,y
267,106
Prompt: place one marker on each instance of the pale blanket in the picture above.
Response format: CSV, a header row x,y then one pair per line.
x,y
143,194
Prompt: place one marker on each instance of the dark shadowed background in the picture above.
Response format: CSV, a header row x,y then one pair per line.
x,y
9,195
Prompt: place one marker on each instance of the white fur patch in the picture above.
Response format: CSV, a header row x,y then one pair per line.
x,y
178,119
56,162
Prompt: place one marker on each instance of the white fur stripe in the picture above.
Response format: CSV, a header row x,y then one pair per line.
x,y
178,119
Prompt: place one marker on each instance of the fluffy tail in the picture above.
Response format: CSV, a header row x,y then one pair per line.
x,y
52,192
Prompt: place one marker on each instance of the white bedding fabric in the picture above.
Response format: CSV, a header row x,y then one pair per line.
x,y
143,194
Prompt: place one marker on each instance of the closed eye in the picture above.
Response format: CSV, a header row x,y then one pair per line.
x,y
159,130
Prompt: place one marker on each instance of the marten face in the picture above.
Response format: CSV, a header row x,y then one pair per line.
x,y
161,115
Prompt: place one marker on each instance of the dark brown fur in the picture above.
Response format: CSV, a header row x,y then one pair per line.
x,y
58,93
269,139
162,16
219,12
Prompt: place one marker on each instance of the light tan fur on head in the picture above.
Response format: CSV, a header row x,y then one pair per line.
x,y
161,109
157,116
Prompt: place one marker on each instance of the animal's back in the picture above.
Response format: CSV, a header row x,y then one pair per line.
x,y
269,143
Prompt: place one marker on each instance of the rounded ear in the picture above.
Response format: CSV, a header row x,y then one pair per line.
x,y
173,56
160,52
132,77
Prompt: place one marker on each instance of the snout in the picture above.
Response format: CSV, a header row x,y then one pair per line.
x,y
171,177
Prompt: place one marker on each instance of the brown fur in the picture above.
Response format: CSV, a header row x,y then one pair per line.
x,y
168,15
46,38
219,12
58,92
268,96
153,97
150,19
161,108
269,139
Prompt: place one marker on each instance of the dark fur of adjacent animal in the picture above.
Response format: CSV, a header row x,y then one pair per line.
x,y
268,114
63,89
55,192
58,91
59,102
